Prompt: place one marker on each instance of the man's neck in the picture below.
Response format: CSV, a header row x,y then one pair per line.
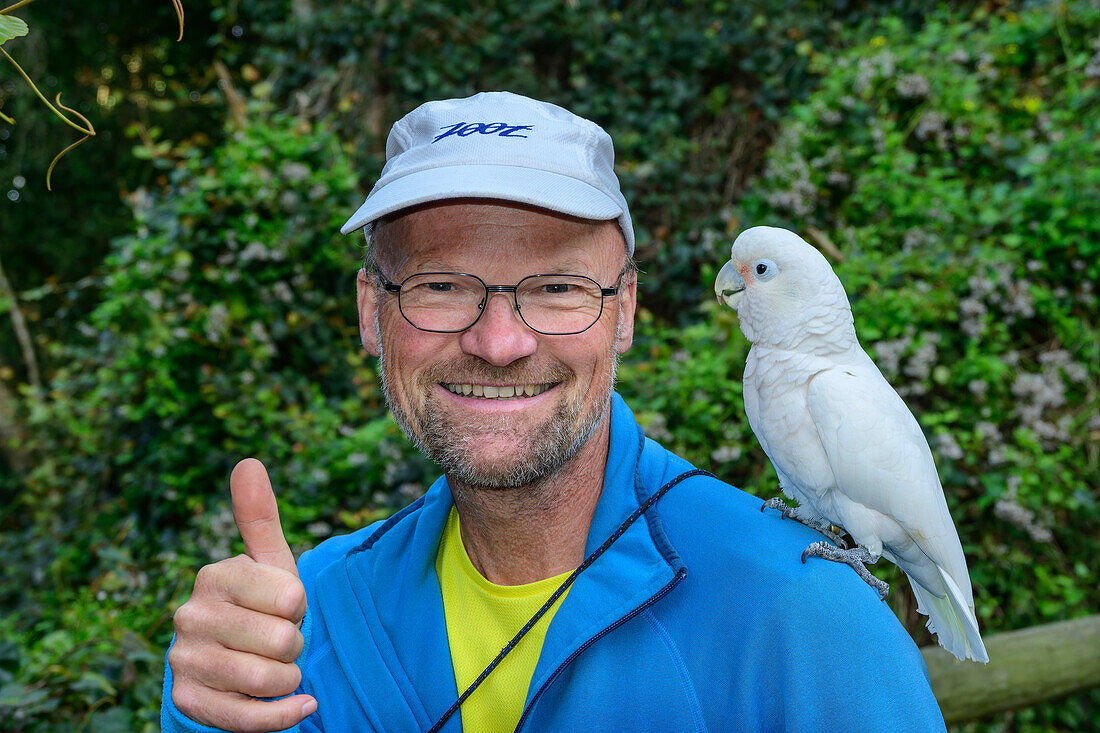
x,y
527,533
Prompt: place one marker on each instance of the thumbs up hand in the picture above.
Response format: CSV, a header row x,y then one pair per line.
x,y
237,637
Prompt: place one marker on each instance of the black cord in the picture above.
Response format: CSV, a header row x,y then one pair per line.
x,y
561,589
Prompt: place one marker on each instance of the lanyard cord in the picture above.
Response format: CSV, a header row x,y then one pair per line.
x,y
561,590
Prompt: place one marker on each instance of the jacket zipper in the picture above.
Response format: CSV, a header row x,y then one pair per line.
x,y
653,599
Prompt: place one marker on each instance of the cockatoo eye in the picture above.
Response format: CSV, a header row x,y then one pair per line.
x,y
765,269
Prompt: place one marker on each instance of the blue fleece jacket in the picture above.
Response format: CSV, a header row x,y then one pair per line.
x,y
700,617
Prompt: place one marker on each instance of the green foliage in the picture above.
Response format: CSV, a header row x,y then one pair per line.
x,y
118,64
226,328
11,27
690,91
91,670
946,164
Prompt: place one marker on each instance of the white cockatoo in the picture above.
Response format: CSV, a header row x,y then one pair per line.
x,y
842,441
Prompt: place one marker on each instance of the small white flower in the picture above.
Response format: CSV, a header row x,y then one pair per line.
x,y
912,86
725,454
254,251
949,447
293,171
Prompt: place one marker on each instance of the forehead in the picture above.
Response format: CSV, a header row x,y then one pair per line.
x,y
483,236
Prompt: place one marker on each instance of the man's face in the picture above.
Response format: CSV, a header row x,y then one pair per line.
x,y
484,441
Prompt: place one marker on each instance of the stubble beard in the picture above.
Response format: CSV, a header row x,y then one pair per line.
x,y
543,449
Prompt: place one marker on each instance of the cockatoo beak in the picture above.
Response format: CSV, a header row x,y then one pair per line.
x,y
729,285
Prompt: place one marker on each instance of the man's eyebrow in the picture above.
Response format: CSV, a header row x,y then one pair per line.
x,y
568,267
434,266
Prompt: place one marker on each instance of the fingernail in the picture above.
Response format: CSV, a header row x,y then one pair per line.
x,y
309,708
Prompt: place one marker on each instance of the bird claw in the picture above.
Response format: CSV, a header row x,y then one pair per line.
x,y
833,533
779,505
823,526
854,558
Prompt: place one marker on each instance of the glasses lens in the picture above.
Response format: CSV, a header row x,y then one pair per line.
x,y
559,304
446,301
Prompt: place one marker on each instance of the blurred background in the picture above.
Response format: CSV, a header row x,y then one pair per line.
x,y
182,298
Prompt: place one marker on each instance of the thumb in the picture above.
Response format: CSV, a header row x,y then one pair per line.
x,y
257,516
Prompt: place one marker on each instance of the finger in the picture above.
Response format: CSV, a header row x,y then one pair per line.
x,y
268,636
257,516
233,712
252,674
233,671
241,581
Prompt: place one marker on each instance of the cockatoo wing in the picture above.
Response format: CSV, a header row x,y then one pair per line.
x,y
889,494
751,395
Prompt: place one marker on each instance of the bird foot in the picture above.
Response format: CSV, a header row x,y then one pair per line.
x,y
854,558
830,530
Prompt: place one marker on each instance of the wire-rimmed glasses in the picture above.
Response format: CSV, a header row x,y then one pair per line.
x,y
451,302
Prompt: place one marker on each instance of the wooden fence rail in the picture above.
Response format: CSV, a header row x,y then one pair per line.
x,y
1025,667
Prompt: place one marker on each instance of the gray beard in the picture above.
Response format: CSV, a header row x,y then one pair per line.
x,y
548,447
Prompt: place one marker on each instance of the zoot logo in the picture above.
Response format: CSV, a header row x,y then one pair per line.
x,y
500,129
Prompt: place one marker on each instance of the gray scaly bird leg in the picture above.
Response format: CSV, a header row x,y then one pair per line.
x,y
852,558
823,526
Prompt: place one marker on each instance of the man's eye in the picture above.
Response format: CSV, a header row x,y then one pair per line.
x,y
441,287
557,288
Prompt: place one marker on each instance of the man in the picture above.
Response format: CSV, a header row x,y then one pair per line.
x,y
499,293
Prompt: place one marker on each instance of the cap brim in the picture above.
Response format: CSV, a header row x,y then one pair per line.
x,y
539,188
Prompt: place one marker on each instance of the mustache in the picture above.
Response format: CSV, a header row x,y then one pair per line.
x,y
476,371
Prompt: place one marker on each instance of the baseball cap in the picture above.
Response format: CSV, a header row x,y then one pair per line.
x,y
498,145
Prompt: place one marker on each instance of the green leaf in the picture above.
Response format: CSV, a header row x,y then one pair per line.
x,y
93,682
11,27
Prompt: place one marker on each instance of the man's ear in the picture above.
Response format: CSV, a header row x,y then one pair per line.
x,y
628,303
366,297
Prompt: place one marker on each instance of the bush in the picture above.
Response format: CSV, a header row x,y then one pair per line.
x,y
690,91
226,328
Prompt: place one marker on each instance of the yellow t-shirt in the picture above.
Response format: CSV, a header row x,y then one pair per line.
x,y
482,617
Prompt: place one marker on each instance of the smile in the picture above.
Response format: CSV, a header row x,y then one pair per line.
x,y
508,392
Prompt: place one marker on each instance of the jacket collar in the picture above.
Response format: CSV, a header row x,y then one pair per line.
x,y
632,571
388,585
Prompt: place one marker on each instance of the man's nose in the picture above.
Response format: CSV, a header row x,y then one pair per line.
x,y
500,336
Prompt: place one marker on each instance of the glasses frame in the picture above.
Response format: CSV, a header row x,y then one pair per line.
x,y
392,287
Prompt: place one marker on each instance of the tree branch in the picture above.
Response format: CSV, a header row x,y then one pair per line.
x,y
11,436
21,333
238,110
821,239
1026,667
15,6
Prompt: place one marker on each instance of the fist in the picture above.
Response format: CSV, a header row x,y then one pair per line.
x,y
238,635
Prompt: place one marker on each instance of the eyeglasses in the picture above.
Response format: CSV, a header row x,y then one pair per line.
x,y
451,302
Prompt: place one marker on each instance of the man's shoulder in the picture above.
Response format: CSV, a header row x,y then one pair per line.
x,y
313,561
745,572
729,544
708,512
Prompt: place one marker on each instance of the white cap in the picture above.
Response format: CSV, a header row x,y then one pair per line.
x,y
498,145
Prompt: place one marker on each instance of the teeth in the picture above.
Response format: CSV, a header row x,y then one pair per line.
x,y
497,393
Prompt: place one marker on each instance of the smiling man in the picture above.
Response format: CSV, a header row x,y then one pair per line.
x,y
565,573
